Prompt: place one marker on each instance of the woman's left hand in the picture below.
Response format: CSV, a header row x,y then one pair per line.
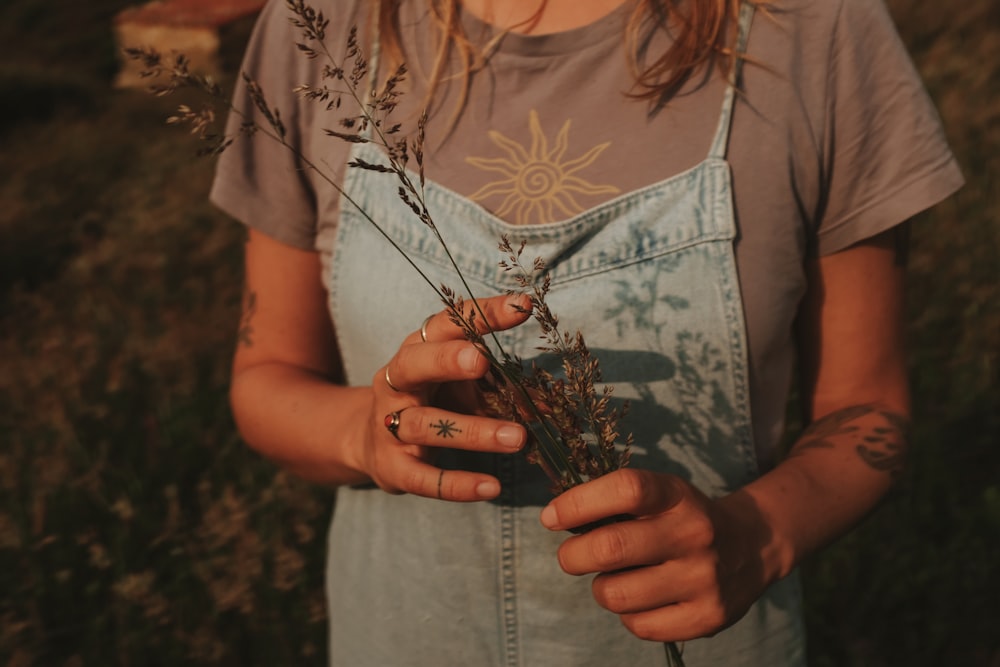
x,y
685,567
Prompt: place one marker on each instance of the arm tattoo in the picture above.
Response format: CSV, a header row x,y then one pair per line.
x,y
882,444
244,335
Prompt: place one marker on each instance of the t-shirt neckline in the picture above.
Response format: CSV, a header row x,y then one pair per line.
x,y
609,26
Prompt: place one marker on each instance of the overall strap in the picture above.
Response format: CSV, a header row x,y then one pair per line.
x,y
721,141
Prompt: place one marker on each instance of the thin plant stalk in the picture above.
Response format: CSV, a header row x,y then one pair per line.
x,y
314,27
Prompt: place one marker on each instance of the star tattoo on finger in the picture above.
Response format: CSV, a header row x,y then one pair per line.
x,y
446,428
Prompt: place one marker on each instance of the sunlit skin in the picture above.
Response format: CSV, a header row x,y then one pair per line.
x,y
541,17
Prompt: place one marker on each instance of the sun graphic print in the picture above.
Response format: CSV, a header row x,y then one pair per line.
x,y
538,184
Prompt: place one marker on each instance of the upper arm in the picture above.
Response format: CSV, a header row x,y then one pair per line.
x,y
285,318
850,328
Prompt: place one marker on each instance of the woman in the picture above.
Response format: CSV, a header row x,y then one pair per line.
x,y
706,242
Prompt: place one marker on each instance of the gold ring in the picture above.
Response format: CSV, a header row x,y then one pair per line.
x,y
389,382
423,328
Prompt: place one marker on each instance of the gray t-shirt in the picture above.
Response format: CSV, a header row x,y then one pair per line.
x,y
833,140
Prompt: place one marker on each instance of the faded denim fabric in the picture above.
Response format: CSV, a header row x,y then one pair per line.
x,y
650,279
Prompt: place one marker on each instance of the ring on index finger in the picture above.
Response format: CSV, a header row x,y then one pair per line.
x,y
392,423
423,328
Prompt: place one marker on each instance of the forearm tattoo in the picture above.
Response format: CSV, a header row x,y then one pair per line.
x,y
878,436
244,335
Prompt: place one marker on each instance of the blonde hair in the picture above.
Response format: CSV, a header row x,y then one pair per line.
x,y
698,29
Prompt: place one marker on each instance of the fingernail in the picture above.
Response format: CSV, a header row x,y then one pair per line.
x,y
468,359
510,436
549,517
519,301
490,489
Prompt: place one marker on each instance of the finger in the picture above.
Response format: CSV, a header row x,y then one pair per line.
x,y
436,427
646,588
465,397
614,547
500,313
679,622
422,479
416,367
634,492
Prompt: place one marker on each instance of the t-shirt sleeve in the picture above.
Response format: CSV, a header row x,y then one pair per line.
x,y
886,157
259,181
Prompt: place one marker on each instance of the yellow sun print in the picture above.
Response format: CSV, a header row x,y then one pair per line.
x,y
536,185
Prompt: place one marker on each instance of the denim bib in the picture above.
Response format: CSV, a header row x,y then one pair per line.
x,y
650,279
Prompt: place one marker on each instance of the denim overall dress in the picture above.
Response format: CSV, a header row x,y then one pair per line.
x,y
650,279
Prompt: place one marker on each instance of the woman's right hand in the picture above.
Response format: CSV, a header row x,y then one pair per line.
x,y
405,427
290,405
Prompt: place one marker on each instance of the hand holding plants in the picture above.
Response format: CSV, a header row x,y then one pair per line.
x,y
684,567
445,363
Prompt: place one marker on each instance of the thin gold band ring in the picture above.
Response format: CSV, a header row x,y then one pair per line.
x,y
389,382
423,328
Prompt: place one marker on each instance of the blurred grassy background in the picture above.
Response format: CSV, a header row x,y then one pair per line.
x,y
135,529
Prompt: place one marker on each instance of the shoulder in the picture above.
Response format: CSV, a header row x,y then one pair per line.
x,y
816,29
840,64
847,117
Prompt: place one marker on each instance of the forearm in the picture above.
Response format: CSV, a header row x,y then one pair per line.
x,y
302,421
854,389
835,474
